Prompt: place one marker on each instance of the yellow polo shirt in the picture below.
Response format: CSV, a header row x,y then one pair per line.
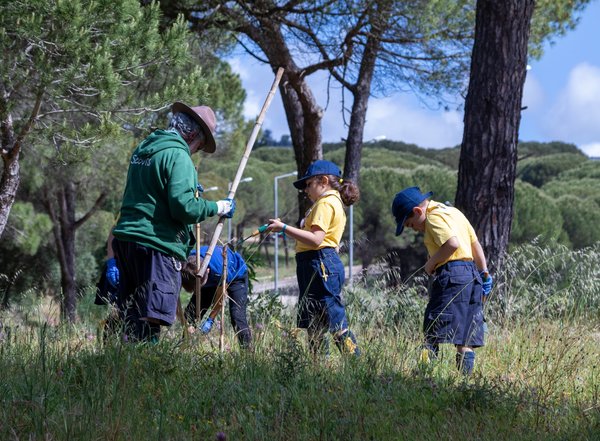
x,y
444,222
328,214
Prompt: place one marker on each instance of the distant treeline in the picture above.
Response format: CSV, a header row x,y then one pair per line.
x,y
557,201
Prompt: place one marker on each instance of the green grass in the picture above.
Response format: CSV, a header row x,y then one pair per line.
x,y
534,381
537,378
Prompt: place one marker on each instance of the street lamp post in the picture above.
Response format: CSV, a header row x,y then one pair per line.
x,y
229,232
351,244
275,195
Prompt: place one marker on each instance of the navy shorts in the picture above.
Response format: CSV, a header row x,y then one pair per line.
x,y
320,279
149,283
454,313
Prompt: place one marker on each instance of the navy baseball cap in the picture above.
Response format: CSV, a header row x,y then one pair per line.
x,y
320,167
403,204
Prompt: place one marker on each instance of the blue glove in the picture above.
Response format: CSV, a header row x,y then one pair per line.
x,y
226,208
200,188
488,282
207,326
112,272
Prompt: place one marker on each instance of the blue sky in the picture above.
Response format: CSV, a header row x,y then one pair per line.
x,y
562,95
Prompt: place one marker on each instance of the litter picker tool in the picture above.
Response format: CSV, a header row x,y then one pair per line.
x,y
240,170
256,232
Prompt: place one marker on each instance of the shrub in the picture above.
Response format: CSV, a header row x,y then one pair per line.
x,y
533,148
584,188
581,220
536,215
540,170
441,181
588,169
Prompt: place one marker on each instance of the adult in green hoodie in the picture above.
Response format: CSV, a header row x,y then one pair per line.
x,y
154,233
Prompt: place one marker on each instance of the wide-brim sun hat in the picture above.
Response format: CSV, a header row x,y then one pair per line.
x,y
320,167
205,117
403,204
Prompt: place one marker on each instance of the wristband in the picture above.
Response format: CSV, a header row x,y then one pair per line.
x,y
283,229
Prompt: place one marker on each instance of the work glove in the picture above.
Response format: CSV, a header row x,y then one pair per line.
x,y
200,188
112,272
207,326
488,282
226,208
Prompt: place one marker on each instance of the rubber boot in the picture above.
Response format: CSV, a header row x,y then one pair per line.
x,y
347,344
429,353
465,362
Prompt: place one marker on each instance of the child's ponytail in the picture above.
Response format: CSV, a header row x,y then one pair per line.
x,y
348,190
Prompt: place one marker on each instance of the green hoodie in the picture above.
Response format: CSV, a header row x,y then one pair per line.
x,y
159,204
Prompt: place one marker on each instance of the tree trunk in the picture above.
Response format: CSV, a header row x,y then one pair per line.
x,y
303,114
10,149
8,185
266,248
488,156
361,91
64,228
10,161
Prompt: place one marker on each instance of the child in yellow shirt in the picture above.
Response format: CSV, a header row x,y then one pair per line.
x,y
319,270
454,313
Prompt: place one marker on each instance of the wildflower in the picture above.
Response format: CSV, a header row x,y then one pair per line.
x,y
221,436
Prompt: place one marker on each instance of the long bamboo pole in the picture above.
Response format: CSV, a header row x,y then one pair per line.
x,y
198,289
240,170
223,298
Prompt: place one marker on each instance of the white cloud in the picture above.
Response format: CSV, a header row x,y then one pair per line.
x,y
533,94
402,118
592,149
575,116
240,67
257,79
